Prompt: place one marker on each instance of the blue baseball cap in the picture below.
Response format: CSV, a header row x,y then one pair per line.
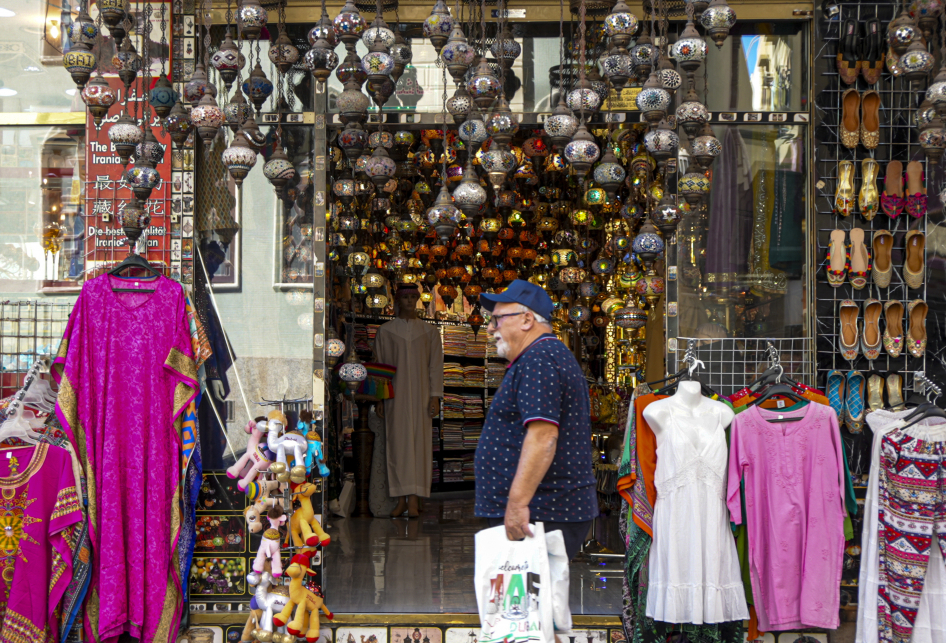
x,y
521,292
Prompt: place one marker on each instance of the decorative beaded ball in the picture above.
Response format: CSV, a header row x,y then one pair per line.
x,y
469,193
230,59
142,176
438,24
617,64
239,157
602,266
258,88
380,166
458,52
694,183
133,216
641,54
349,70
483,85
511,49
100,94
325,31
502,124
473,131
352,101
334,348
402,53
561,125
902,36
692,111
150,151
497,161
82,31
344,187
631,317
206,116
125,133
78,60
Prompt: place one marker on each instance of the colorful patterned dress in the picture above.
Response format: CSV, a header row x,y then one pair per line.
x,y
40,510
127,375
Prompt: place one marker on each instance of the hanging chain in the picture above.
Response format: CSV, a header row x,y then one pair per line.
x,y
443,71
561,46
164,36
581,55
146,71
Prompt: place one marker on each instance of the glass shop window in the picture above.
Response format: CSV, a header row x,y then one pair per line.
x,y
41,206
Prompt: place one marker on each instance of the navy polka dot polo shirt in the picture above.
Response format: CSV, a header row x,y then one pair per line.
x,y
544,383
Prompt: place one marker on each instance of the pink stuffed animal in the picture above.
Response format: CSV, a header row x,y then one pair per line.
x,y
253,461
269,547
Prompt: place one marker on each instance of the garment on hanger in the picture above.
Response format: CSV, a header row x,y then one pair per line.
x,y
694,570
730,220
929,625
786,233
794,490
41,508
127,374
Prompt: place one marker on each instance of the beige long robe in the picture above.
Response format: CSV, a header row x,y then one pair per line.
x,y
415,349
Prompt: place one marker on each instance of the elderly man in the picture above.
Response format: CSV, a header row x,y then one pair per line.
x,y
533,460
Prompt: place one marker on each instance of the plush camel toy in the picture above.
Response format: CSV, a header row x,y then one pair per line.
x,y
269,547
304,601
281,444
267,601
260,494
304,527
254,460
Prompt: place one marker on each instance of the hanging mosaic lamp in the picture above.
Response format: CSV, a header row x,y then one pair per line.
x,y
648,245
469,195
718,19
352,372
98,97
933,140
334,347
162,97
279,170
583,99
239,158
228,61
149,150
505,49
582,151
323,29
705,147
694,186
79,61
498,163
82,29
353,139
380,167
377,63
936,92
257,87
609,174
253,135
251,18
349,25
653,101
402,54
443,215
133,219
617,67
502,124
142,178
902,32
378,29
113,15
666,215
207,117
630,317
692,114
457,54
352,103
699,6
236,112
473,129
620,25
178,124
483,85
917,63
128,63
460,104
669,77
125,136
438,25
282,53
197,86
642,56
561,125
689,50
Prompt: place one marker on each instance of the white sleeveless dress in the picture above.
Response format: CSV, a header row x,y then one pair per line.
x,y
694,572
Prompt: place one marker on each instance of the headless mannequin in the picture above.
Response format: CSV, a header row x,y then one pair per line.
x,y
406,309
688,400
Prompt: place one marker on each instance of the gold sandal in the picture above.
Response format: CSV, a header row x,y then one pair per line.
x,y
875,392
869,198
844,197
895,392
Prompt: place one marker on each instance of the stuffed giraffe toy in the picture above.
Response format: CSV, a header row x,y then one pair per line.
x,y
304,527
304,601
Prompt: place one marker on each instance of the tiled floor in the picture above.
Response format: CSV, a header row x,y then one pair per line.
x,y
426,565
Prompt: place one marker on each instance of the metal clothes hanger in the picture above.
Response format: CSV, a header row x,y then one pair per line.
x,y
778,388
134,260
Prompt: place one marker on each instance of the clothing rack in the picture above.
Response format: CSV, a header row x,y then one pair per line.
x,y
31,376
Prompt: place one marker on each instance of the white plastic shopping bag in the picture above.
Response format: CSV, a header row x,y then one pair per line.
x,y
514,587
558,570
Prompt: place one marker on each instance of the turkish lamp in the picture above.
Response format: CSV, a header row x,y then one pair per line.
x,y
380,167
128,63
917,63
582,151
648,245
207,118
378,29
473,129
352,140
498,163
936,93
113,15
282,53
258,87
443,215
689,50
609,174
503,124
505,49
653,101
669,77
178,125
483,85
79,61
933,140
666,216
642,56
253,135
583,99
320,60
705,147
99,97
279,170
197,86
239,158
457,54
352,103
438,25
142,178
228,61
617,67
662,143
251,18
620,25
377,63
718,19
125,135
162,97
334,347
469,196
236,112
349,25
402,54
901,33
694,186
692,114
323,29
134,219
353,373
149,150
561,125
460,104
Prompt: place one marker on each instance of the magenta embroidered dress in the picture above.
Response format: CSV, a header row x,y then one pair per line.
x,y
795,513
39,505
127,374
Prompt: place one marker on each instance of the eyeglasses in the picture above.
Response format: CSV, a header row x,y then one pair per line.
x,y
496,318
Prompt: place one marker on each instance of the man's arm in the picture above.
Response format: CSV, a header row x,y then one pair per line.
x,y
538,451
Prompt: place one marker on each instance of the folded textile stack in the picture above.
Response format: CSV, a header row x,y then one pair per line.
x,y
452,374
491,348
474,375
452,470
487,402
454,340
435,439
435,472
476,346
452,435
472,406
362,340
452,406
494,373
471,434
468,471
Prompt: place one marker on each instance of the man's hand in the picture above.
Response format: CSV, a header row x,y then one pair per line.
x,y
433,407
517,522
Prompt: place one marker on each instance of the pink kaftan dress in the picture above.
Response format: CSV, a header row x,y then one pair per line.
x,y
126,375
39,509
794,478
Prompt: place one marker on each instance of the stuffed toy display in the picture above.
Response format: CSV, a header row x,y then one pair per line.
x,y
262,495
304,527
269,547
267,601
306,603
315,455
280,443
255,458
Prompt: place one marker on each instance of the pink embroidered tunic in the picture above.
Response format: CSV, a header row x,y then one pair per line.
x,y
39,505
127,374
794,483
